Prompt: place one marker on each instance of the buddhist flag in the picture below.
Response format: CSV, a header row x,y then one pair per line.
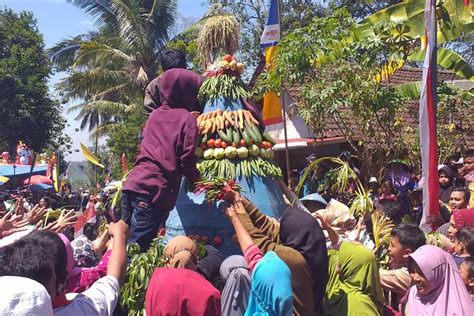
x,y
428,105
269,41
90,156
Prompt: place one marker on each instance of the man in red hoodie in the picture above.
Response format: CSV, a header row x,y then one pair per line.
x,y
166,154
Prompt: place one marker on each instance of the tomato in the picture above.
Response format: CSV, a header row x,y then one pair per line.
x,y
243,143
234,145
266,144
197,238
217,241
210,143
204,239
218,143
227,58
224,145
203,146
261,145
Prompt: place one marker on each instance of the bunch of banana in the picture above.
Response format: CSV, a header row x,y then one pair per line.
x,y
238,168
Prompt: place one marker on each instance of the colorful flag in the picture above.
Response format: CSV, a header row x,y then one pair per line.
x,y
428,105
55,174
90,156
269,40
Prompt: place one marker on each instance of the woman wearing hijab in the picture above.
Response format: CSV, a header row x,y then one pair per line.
x,y
459,220
438,287
181,292
354,282
80,278
167,152
446,182
258,234
270,293
302,232
235,295
181,252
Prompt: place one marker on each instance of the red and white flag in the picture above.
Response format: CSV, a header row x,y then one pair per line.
x,y
428,105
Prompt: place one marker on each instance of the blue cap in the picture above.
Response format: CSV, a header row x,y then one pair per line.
x,y
314,197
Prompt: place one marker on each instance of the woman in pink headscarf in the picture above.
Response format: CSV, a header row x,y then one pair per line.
x,y
459,220
438,288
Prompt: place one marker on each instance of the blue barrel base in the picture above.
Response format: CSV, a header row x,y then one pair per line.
x,y
193,215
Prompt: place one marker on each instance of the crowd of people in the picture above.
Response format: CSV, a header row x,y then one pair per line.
x,y
316,259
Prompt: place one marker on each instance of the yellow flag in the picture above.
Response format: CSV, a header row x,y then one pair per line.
x,y
3,179
90,156
271,102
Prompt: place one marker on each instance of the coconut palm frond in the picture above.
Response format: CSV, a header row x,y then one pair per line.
x,y
97,53
128,24
219,35
99,9
382,227
65,52
95,84
361,204
104,107
103,130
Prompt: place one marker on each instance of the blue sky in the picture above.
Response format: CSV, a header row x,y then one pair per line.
x,y
58,19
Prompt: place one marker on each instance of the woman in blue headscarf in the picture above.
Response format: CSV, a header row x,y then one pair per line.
x,y
270,292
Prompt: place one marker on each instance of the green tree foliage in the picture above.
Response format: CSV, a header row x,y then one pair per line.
x,y
110,68
26,110
340,82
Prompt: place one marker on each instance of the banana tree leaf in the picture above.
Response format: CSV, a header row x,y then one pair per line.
x,y
396,13
449,60
409,90
411,14
412,90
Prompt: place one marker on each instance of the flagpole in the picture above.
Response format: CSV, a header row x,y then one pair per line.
x,y
427,127
285,132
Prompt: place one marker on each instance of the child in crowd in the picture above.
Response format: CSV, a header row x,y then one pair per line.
x,y
405,239
467,273
166,153
463,245
387,191
446,183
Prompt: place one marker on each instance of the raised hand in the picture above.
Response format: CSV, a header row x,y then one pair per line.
x,y
36,214
11,224
66,218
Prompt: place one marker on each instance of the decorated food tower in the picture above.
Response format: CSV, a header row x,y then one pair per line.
x,y
232,145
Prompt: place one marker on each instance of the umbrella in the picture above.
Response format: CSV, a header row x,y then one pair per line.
x,y
38,179
40,187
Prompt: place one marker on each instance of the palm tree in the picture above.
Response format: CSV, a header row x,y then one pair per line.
x,y
109,69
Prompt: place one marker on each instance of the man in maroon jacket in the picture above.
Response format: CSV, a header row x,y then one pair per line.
x,y
166,153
